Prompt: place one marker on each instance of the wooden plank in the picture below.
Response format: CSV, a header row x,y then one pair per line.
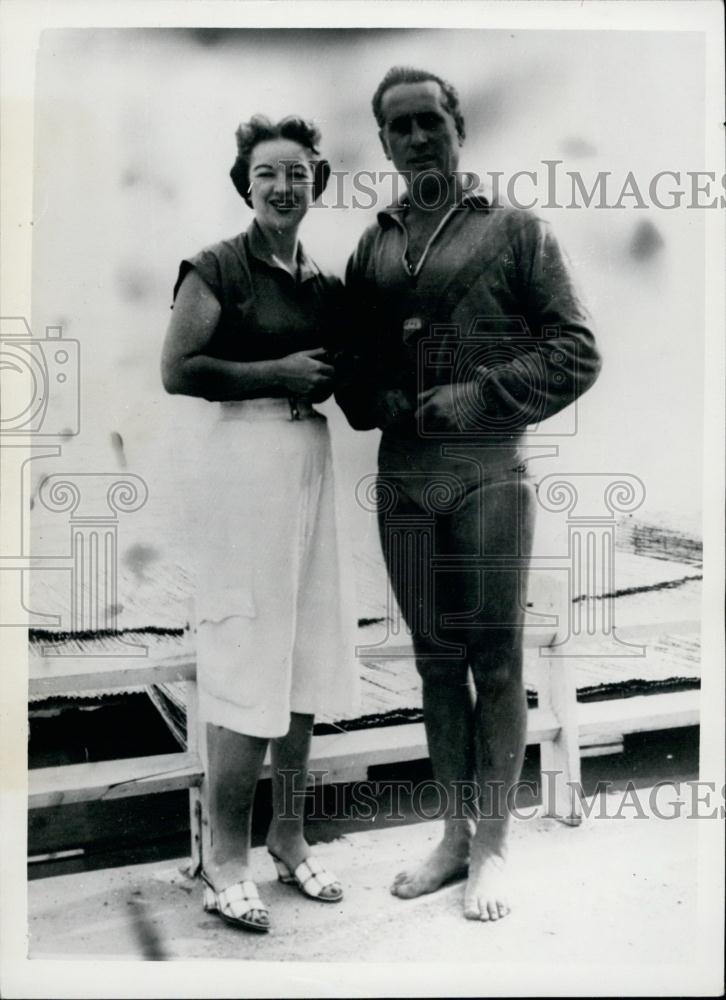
x,y
535,637
353,753
347,756
602,749
51,675
561,755
659,537
627,633
599,721
198,804
112,779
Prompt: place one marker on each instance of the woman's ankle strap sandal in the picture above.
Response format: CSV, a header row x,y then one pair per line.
x,y
238,904
312,878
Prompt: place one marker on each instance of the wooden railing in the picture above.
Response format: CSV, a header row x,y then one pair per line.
x,y
558,724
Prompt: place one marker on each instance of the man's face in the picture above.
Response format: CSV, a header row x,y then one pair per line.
x,y
419,134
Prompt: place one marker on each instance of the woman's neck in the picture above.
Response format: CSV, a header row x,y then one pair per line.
x,y
283,244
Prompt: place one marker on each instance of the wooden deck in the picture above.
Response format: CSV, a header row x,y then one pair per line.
x,y
617,871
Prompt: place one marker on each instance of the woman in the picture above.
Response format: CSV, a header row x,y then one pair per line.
x,y
251,317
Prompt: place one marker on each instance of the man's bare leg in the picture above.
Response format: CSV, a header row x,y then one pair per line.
x,y
449,720
500,738
507,511
495,520
448,706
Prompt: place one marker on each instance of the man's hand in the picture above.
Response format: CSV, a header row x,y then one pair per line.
x,y
444,407
392,405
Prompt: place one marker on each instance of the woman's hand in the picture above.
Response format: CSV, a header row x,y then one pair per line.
x,y
305,374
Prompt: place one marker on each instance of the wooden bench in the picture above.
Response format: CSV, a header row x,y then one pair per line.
x,y
558,724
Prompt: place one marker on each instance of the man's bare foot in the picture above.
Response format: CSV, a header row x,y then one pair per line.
x,y
485,897
446,862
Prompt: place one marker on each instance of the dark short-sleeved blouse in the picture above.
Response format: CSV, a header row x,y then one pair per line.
x,y
266,312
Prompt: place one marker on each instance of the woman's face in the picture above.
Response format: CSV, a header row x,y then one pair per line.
x,y
281,183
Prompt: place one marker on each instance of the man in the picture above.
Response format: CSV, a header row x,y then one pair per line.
x,y
466,330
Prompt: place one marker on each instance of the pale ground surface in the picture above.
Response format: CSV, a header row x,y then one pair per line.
x,y
614,888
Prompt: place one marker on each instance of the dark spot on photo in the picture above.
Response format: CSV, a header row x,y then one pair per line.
x,y
576,146
138,558
133,283
38,487
646,241
130,177
208,36
117,443
166,190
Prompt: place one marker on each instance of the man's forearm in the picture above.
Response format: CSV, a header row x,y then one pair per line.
x,y
542,381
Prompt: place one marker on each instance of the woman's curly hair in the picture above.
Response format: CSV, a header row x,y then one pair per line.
x,y
261,129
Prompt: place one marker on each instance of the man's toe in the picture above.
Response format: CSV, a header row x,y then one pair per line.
x,y
399,888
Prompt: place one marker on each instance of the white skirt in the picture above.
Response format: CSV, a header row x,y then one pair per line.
x,y
275,625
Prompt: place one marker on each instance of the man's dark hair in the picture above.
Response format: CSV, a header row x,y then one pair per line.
x,y
407,74
260,129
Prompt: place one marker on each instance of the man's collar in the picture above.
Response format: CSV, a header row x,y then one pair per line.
x,y
259,247
473,198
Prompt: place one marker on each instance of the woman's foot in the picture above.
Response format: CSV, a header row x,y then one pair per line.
x,y
221,874
237,902
290,848
313,879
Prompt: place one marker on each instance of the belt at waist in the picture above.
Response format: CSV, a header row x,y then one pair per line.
x,y
268,408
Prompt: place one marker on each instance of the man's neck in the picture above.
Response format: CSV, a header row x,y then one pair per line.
x,y
434,196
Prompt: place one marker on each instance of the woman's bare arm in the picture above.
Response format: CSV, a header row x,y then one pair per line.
x,y
186,369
